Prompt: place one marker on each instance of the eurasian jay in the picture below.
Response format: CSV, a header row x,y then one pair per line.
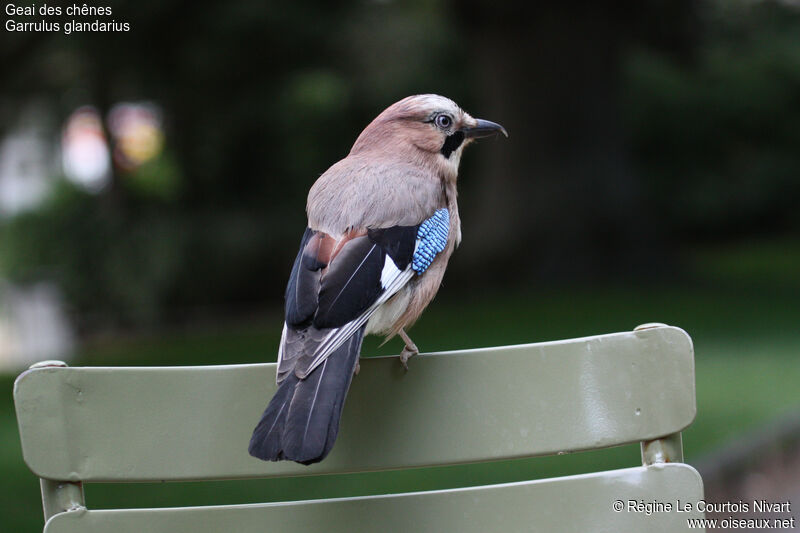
x,y
382,223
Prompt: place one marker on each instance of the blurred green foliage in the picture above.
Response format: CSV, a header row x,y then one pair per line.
x,y
716,137
634,136
111,266
158,178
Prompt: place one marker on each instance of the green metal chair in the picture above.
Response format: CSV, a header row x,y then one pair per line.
x,y
83,425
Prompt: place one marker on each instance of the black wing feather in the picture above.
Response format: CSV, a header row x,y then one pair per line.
x,y
351,284
397,241
352,281
303,287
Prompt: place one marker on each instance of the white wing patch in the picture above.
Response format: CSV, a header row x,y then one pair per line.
x,y
389,272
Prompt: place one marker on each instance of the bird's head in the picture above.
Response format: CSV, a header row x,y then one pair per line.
x,y
426,129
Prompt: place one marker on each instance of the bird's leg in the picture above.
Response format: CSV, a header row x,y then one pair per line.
x,y
409,351
358,367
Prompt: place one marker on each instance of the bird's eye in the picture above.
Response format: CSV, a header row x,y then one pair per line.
x,y
444,121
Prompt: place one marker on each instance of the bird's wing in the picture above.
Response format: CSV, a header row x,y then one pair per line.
x,y
338,283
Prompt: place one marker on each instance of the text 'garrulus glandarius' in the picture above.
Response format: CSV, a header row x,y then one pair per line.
x,y
382,223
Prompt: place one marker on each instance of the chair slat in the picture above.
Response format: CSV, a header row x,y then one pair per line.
x,y
182,423
576,503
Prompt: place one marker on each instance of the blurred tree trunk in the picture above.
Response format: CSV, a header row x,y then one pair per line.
x,y
563,183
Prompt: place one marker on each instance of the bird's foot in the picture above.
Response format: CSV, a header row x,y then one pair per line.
x,y
407,354
409,351
357,369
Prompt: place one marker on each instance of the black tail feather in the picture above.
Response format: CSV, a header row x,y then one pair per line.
x,y
302,419
266,440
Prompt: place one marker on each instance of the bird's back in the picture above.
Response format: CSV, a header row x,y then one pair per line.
x,y
360,192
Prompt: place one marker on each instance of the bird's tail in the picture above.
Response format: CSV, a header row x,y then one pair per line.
x,y
302,419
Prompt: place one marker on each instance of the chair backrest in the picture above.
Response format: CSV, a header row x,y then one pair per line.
x,y
193,423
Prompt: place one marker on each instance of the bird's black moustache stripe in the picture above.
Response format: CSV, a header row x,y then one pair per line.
x,y
452,143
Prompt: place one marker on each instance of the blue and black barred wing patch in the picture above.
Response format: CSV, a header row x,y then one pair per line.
x,y
337,284
431,240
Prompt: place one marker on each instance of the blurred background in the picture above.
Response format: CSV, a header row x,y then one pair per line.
x,y
153,183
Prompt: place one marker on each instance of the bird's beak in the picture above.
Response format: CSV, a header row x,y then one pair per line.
x,y
483,128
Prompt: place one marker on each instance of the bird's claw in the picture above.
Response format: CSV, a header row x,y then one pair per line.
x,y
409,351
407,354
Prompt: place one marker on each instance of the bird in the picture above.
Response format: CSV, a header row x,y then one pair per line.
x,y
382,224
